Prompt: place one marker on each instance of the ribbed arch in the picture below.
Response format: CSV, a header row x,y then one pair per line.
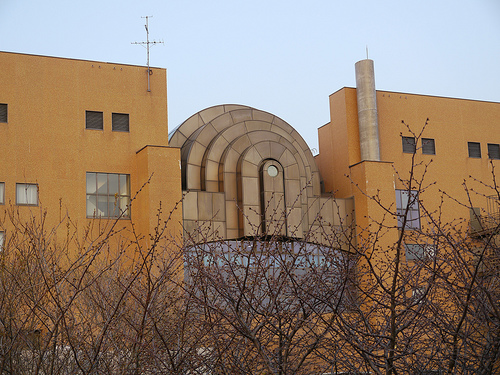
x,y
223,150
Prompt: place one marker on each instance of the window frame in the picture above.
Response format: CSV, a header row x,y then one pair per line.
x,y
93,113
409,145
413,214
6,116
428,146
494,150
470,148
116,119
116,200
26,187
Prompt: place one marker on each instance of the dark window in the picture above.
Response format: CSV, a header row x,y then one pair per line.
x,y
474,149
93,120
3,112
407,204
108,195
120,122
428,146
409,145
493,150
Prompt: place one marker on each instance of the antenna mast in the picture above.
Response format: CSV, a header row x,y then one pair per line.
x,y
148,43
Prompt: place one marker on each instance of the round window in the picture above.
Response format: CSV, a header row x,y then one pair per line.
x,y
272,171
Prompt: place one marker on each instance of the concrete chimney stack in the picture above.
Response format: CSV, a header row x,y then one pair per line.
x,y
367,110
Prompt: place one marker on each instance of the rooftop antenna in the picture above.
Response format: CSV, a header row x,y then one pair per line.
x,y
147,43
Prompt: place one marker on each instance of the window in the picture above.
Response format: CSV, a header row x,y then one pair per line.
x,y
474,149
419,251
2,192
409,145
93,120
120,122
2,240
27,194
406,200
3,112
108,195
428,146
493,150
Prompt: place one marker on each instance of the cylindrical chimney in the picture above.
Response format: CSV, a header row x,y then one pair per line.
x,y
367,110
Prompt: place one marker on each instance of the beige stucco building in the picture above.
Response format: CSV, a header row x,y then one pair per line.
x,y
87,140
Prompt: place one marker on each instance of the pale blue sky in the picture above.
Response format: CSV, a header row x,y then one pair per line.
x,y
285,57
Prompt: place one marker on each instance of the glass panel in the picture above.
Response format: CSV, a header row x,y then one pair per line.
x,y
21,194
102,183
102,206
32,194
1,240
91,183
112,184
2,192
114,206
91,205
404,199
124,201
124,185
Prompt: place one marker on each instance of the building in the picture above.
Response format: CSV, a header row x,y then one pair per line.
x,y
81,138
75,129
87,143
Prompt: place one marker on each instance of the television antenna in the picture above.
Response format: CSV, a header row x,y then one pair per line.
x,y
147,44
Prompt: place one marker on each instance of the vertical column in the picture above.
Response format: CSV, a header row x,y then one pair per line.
x,y
367,110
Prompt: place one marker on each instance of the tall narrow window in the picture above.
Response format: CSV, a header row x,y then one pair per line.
x,y
474,149
2,240
27,194
2,192
108,195
3,112
409,145
428,146
407,206
493,150
93,120
120,122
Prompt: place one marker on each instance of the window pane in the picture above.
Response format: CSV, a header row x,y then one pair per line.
x,y
113,184
2,192
93,120
102,205
474,149
102,183
124,201
409,145
124,185
91,205
2,240
428,146
3,112
27,194
32,193
120,122
114,206
91,183
493,151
